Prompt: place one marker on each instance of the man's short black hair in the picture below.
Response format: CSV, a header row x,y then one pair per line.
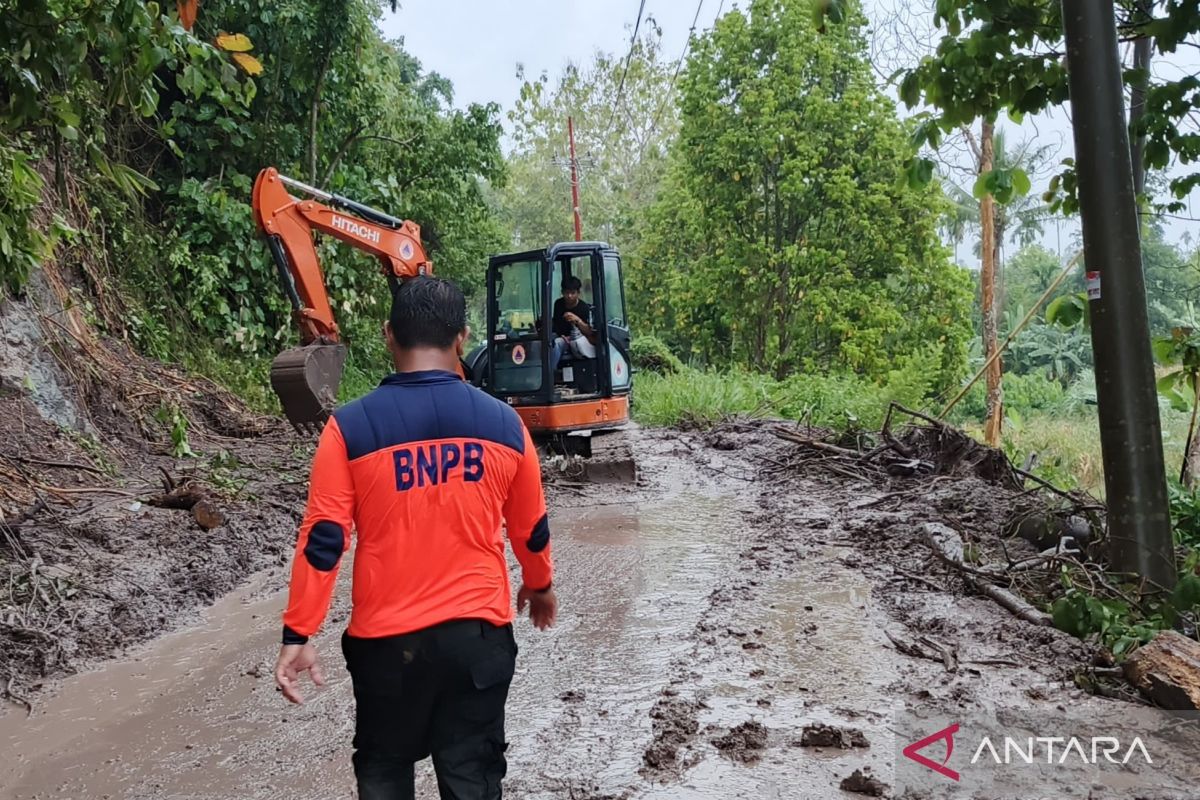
x,y
427,312
571,284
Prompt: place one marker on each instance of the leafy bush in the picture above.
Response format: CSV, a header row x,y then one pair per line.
x,y
22,245
651,354
1023,394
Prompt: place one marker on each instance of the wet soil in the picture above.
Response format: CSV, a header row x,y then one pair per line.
x,y
725,630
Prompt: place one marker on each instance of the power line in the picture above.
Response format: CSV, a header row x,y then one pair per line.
x,y
628,57
675,75
679,62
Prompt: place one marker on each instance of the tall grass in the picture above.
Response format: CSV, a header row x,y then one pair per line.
x,y
1044,419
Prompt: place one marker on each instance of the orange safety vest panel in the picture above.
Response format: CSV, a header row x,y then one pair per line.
x,y
427,471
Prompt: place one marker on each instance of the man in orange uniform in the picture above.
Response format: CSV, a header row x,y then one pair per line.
x,y
426,470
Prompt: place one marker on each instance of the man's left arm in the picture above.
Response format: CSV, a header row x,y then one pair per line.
x,y
324,536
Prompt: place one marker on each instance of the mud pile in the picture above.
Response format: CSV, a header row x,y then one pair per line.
x,y
130,491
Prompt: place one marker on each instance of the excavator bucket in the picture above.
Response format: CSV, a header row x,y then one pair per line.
x,y
306,381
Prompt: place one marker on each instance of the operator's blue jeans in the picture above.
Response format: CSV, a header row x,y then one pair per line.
x,y
557,348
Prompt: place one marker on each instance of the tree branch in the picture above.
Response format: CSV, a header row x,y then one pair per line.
x,y
347,143
975,149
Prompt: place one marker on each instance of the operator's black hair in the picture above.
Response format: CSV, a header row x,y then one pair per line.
x,y
571,283
427,312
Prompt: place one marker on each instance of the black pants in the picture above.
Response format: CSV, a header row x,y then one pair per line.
x,y
436,692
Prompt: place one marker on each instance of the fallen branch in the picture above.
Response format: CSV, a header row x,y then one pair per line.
x,y
899,574
947,545
16,698
55,464
1017,605
892,441
815,444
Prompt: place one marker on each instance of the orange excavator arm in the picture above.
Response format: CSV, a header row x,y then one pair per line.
x,y
288,223
306,378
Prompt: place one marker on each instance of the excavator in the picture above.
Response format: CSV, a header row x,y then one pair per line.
x,y
564,405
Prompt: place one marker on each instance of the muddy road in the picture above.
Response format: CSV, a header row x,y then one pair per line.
x,y
724,631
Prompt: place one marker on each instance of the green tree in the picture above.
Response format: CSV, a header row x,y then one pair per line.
x,y
624,120
786,236
339,105
1029,273
160,136
1172,281
1009,54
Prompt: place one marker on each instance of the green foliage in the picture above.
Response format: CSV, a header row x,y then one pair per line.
x,y
1060,353
1068,311
1115,623
691,396
78,80
785,237
160,136
1185,513
22,244
1111,621
1172,282
622,151
176,423
1024,394
651,354
1002,184
1029,273
1009,56
1181,352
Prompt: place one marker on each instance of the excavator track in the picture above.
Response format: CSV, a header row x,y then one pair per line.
x,y
306,380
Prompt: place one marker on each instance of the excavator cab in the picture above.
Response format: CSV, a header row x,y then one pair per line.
x,y
588,389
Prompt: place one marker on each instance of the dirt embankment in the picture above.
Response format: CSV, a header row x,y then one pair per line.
x,y
130,491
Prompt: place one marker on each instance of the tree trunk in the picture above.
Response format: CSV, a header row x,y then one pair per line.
x,y
1191,447
315,115
987,213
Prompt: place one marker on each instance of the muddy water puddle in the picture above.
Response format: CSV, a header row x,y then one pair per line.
x,y
194,714
807,652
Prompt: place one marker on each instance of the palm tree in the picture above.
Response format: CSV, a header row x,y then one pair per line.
x,y
1020,221
1020,217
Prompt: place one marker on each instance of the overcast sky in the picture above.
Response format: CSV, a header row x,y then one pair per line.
x,y
477,44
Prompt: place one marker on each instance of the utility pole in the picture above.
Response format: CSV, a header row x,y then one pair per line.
x,y
574,181
1139,525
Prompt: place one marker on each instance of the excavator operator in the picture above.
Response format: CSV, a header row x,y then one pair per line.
x,y
571,324
426,470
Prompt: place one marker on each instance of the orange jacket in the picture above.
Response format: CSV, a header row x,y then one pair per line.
x,y
426,470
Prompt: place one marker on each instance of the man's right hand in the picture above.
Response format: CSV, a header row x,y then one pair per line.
x,y
543,606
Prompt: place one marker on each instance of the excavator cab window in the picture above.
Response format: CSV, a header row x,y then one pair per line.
x,y
517,338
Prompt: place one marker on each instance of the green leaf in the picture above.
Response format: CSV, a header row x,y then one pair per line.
x,y
983,186
1186,595
1164,350
1168,383
1020,182
1066,311
910,89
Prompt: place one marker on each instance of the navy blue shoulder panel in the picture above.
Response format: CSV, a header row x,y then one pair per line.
x,y
405,410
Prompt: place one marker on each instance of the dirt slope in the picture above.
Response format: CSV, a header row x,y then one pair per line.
x,y
131,493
